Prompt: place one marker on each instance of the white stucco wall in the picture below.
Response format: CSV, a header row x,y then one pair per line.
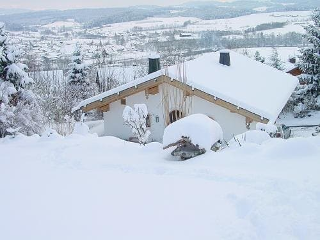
x,y
231,123
114,125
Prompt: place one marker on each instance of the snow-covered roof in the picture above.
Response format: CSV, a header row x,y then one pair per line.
x,y
154,55
288,66
248,84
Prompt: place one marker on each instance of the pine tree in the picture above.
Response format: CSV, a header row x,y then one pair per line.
x,y
307,95
275,60
258,57
19,107
310,56
79,85
78,73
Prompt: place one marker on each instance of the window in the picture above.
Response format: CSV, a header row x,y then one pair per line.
x,y
175,115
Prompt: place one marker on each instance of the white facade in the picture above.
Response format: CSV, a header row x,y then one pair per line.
x,y
231,123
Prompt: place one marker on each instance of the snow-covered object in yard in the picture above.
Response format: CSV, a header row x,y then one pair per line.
x,y
251,136
269,128
247,83
199,128
81,128
50,133
136,119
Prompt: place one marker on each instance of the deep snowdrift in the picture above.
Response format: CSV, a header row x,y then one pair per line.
x,y
85,187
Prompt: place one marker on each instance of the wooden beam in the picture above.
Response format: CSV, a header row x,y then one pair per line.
x,y
153,90
105,108
123,101
123,94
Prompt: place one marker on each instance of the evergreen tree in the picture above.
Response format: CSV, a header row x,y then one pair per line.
x,y
275,60
79,85
19,108
307,95
310,56
258,57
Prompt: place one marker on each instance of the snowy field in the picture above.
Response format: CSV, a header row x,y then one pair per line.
x,y
85,187
285,53
294,19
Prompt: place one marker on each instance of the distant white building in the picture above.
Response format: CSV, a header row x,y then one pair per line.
x,y
233,89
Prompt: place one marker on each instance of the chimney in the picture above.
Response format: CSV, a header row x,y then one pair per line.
x,y
154,63
224,57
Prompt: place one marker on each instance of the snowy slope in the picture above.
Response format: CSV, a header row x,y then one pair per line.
x,y
80,188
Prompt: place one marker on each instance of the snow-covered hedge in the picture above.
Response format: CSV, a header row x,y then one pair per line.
x,y
81,129
199,128
251,136
271,129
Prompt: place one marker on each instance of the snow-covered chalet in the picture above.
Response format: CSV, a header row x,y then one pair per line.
x,y
230,88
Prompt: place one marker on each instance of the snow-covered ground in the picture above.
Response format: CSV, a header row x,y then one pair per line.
x,y
86,187
284,52
289,120
301,127
60,24
292,18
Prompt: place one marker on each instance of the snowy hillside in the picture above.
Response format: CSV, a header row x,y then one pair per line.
x,y
85,187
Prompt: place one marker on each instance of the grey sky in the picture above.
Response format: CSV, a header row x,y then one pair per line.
x,y
68,4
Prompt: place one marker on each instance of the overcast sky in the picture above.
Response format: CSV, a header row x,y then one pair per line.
x,y
68,4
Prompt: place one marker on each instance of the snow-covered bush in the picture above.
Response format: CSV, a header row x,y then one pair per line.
x,y
80,128
199,128
19,106
50,133
258,57
251,136
269,128
136,119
